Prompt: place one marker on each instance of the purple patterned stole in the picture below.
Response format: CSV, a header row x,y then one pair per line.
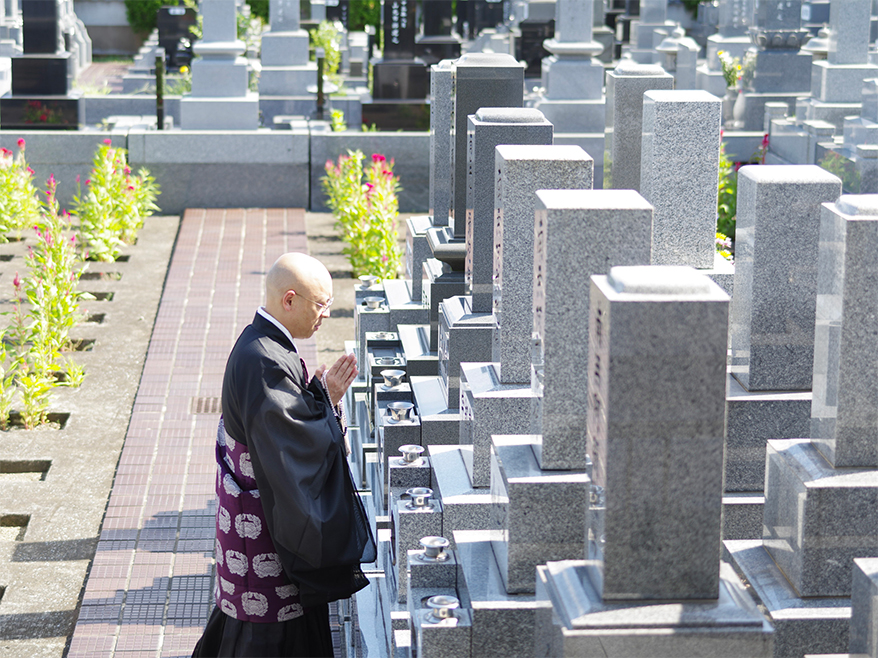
x,y
250,582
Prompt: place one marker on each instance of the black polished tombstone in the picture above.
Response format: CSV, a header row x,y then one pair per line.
x,y
482,14
40,96
338,10
437,41
399,75
174,35
529,46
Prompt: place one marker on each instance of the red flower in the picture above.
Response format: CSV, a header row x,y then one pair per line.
x,y
377,157
30,171
108,141
88,181
16,281
20,143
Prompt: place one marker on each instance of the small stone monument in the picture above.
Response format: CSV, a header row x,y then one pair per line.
x,y
286,70
220,97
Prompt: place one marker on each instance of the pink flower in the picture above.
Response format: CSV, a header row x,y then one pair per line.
x,y
377,157
16,281
77,178
88,181
127,170
108,141
30,171
21,144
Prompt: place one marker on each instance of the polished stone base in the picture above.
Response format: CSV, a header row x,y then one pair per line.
x,y
397,114
240,113
537,515
42,112
573,621
752,418
489,407
742,515
420,361
817,518
400,80
814,625
464,508
404,309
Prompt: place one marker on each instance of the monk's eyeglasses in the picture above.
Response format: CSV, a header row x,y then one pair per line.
x,y
322,306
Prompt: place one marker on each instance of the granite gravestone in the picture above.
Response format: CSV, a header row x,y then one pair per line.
x,y
679,168
735,19
837,81
40,96
488,128
864,607
286,67
821,495
437,42
481,80
782,72
626,85
772,315
399,75
220,97
495,398
578,233
653,583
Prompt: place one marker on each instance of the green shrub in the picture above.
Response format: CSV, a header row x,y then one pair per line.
x,y
141,14
19,207
365,207
114,204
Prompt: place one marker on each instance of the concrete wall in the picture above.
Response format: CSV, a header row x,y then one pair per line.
x,y
228,169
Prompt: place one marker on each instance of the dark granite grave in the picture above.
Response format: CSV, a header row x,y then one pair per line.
x,y
39,96
174,36
338,10
529,47
398,75
39,26
437,42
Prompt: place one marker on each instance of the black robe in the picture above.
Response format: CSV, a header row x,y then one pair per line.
x,y
314,515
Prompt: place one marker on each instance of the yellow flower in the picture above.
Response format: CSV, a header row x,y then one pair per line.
x,y
185,69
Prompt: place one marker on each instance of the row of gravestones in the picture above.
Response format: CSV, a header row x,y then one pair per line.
x,y
554,356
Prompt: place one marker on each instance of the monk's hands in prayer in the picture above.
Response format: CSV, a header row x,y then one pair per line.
x,y
338,377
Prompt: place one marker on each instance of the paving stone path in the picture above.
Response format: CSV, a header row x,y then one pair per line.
x,y
148,592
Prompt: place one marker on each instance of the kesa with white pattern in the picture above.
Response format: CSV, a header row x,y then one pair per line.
x,y
250,584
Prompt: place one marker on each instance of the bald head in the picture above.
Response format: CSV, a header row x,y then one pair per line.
x,y
297,275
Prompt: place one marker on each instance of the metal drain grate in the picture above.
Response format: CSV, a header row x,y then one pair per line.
x,y
205,406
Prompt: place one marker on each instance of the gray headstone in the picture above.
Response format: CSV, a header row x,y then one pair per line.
x,y
653,11
481,80
775,290
283,15
735,16
657,362
574,20
849,29
578,233
864,607
678,174
625,88
441,111
845,402
520,172
487,129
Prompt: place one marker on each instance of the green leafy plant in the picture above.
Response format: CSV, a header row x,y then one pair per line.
x,y
19,207
179,85
842,167
328,36
141,14
727,198
336,121
114,204
363,13
731,67
366,208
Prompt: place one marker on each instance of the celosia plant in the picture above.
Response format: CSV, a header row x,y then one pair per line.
x,y
114,204
366,208
19,207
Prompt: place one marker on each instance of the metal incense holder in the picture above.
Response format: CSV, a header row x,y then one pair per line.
x,y
411,455
393,377
441,607
434,549
400,410
419,497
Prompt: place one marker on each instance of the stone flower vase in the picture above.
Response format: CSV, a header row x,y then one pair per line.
x,y
729,104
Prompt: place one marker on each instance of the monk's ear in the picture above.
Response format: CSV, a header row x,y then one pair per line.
x,y
288,298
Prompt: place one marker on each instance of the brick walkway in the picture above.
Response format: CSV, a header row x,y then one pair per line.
x,y
149,590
